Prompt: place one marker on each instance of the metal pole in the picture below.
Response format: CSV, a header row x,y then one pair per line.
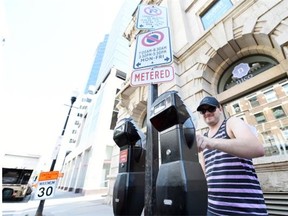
x,y
42,202
73,99
152,161
40,208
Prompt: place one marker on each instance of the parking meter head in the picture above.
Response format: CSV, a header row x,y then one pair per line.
x,y
189,133
168,110
125,133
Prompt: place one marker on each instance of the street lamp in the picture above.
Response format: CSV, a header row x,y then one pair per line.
x,y
42,202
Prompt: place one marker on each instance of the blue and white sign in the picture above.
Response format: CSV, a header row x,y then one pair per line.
x,y
214,13
241,70
151,17
152,49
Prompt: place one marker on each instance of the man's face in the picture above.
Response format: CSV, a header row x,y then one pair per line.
x,y
210,114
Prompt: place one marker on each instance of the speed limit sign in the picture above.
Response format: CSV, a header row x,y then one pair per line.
x,y
46,185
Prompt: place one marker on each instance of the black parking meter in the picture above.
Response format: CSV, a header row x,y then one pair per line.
x,y
181,186
128,191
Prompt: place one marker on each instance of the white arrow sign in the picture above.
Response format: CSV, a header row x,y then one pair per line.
x,y
151,17
152,49
154,75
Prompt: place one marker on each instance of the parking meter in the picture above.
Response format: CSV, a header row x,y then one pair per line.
x,y
181,186
128,191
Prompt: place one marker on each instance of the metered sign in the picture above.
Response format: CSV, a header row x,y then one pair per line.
x,y
152,49
154,75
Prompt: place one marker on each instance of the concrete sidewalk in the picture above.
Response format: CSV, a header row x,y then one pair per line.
x,y
62,204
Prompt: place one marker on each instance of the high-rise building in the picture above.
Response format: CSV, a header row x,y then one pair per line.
x,y
96,64
89,134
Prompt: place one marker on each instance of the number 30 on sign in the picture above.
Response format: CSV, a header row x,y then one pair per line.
x,y
46,185
45,189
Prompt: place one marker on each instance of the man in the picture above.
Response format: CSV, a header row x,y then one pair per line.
x,y
228,148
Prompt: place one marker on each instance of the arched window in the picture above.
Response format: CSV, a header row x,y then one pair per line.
x,y
244,69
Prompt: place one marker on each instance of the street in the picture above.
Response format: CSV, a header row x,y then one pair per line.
x,y
63,204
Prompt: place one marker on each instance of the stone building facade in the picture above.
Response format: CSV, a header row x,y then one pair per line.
x,y
212,42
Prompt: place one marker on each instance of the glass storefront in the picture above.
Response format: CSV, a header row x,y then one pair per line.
x,y
266,109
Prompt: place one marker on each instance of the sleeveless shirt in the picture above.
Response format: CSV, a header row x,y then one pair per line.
x,y
233,186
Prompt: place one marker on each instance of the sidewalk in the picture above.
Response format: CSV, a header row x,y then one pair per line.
x,y
62,204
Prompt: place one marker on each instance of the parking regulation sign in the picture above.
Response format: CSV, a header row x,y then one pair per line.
x,y
152,49
153,75
151,17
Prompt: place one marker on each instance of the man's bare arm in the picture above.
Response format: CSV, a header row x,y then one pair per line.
x,y
243,142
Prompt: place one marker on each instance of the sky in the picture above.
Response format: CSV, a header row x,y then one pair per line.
x,y
48,53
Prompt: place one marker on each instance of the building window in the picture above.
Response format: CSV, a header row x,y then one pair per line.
x,y
260,117
120,75
113,120
214,12
285,132
72,141
245,69
114,117
278,112
236,108
253,101
115,105
285,88
270,95
270,144
269,119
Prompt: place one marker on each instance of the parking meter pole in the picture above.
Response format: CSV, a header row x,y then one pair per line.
x,y
152,162
128,191
181,187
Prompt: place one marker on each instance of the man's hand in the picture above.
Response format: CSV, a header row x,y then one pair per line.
x,y
203,142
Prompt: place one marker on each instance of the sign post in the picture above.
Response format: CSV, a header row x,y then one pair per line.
x,y
152,153
153,54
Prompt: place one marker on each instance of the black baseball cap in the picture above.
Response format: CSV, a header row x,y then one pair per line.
x,y
208,100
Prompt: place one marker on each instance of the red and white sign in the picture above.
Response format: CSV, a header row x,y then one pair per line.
x,y
154,75
151,17
153,49
123,156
